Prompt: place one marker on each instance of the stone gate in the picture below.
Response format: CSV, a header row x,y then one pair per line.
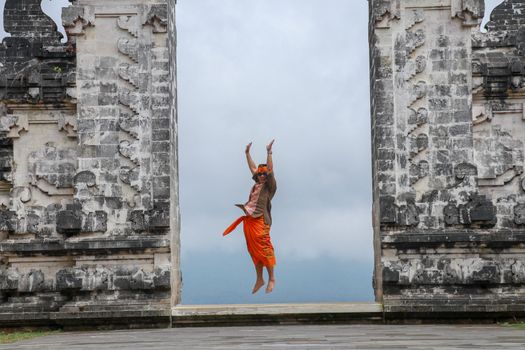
x,y
89,217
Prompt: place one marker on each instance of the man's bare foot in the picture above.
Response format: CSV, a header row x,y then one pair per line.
x,y
269,287
258,285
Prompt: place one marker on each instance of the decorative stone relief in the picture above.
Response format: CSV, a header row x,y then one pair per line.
x,y
157,17
470,11
519,214
477,211
76,19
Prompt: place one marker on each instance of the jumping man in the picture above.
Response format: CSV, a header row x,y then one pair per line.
x,y
258,219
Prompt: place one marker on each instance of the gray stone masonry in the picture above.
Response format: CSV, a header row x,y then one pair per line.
x,y
448,129
86,143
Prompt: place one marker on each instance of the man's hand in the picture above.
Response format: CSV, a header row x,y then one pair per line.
x,y
269,147
248,148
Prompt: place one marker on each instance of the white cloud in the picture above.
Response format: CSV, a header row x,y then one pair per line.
x,y
339,232
53,8
3,34
252,71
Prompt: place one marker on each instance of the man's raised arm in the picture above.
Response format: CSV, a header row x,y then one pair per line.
x,y
269,161
251,164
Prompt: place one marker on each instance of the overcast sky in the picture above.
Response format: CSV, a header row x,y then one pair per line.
x,y
296,71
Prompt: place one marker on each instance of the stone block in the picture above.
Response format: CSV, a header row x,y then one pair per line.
x,y
486,275
8,280
8,220
33,281
519,214
69,222
159,219
95,222
68,279
390,275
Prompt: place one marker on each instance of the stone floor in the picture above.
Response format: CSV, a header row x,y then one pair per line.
x,y
288,337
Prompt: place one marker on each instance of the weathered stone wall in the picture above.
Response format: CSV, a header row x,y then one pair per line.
x,y
176,274
448,145
85,145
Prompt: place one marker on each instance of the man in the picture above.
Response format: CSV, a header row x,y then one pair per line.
x,y
258,219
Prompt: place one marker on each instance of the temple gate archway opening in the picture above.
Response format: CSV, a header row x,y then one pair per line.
x,y
254,71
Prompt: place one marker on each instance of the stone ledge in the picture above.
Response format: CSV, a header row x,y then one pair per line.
x,y
409,239
265,314
89,320
64,247
451,317
261,315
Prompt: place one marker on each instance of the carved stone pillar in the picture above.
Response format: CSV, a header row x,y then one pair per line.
x,y
447,126
86,138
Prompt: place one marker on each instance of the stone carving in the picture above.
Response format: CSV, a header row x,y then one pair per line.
x,y
22,193
129,73
414,40
129,23
418,171
448,272
470,11
85,279
415,17
418,145
85,177
76,19
95,222
130,124
398,215
129,99
463,170
417,118
69,221
129,175
129,47
129,150
519,214
499,155
386,9
54,165
477,211
157,17
7,220
419,90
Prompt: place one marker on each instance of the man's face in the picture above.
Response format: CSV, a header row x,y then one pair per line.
x,y
261,177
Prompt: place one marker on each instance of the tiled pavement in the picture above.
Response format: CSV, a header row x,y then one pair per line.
x,y
421,337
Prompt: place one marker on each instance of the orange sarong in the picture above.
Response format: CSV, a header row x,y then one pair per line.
x,y
257,235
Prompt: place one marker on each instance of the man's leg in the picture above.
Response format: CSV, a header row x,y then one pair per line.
x,y
271,279
260,280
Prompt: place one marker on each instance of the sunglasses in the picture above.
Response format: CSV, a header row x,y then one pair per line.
x,y
262,174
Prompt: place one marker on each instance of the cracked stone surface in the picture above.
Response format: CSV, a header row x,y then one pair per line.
x,y
290,337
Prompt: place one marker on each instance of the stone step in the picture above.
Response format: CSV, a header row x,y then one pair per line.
x,y
250,314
